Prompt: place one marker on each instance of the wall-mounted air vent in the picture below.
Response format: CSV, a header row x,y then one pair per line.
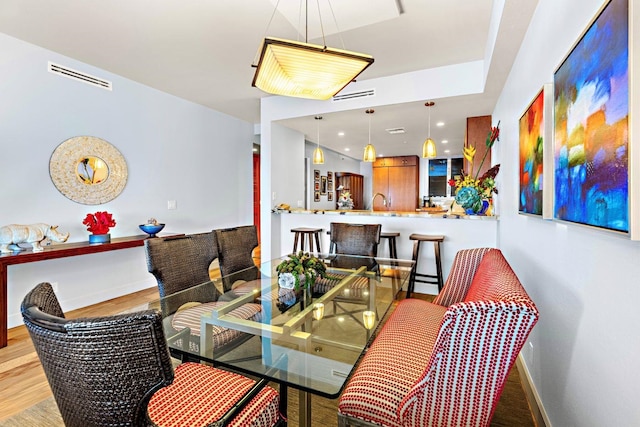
x,y
79,76
394,131
354,95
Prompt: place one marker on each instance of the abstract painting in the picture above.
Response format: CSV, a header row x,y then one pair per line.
x,y
532,156
591,90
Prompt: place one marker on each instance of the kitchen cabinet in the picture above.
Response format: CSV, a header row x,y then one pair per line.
x,y
476,135
398,179
354,184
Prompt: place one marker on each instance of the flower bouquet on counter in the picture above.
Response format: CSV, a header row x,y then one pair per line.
x,y
345,201
300,271
474,193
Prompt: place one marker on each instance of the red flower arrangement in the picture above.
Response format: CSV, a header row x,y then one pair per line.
x,y
99,222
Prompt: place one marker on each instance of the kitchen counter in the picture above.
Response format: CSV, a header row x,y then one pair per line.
x,y
407,214
460,231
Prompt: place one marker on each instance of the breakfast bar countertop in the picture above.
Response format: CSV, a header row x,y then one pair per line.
x,y
418,213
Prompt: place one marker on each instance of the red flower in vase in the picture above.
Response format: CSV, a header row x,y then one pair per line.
x,y
99,222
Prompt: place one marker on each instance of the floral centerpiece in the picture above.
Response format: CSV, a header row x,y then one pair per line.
x,y
345,201
98,224
299,271
474,193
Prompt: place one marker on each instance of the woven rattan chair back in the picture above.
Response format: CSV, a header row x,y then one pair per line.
x,y
179,263
235,248
355,239
102,371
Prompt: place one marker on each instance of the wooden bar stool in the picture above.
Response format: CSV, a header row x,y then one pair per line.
x,y
311,233
393,249
425,278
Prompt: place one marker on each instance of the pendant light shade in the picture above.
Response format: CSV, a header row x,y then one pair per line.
x,y
305,70
318,155
369,150
429,146
429,149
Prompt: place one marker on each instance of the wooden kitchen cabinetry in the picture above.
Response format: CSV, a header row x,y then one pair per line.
x,y
398,179
476,135
354,184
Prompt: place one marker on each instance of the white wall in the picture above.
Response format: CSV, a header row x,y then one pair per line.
x,y
174,149
584,281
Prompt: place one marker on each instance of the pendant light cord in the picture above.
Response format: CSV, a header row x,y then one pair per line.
x,y
275,9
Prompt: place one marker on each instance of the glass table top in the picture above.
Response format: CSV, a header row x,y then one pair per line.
x,y
309,339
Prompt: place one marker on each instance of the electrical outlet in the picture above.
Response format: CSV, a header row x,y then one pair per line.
x,y
273,196
54,286
299,203
172,204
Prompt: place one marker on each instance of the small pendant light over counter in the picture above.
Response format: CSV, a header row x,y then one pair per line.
x,y
369,151
429,146
318,155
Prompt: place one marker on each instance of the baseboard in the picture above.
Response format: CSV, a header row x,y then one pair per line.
x,y
540,417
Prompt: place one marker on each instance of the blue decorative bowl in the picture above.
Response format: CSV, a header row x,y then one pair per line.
x,y
151,229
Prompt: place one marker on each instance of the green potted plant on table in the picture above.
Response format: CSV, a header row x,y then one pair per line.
x,y
299,271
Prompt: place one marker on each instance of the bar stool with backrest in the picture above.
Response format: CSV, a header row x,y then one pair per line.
x,y
116,371
435,279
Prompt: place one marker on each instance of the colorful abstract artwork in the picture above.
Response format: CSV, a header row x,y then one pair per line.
x,y
531,157
591,106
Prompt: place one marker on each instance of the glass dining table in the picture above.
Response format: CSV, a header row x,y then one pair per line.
x,y
309,339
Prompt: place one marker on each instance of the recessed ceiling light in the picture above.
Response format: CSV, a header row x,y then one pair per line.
x,y
440,124
444,141
447,151
340,133
347,149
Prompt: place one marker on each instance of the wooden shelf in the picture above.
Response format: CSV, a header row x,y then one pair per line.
x,y
53,252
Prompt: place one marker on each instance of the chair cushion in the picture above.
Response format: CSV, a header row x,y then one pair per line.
x,y
200,395
392,365
190,318
356,288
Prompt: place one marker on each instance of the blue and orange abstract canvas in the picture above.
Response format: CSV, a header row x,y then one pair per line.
x,y
591,90
531,157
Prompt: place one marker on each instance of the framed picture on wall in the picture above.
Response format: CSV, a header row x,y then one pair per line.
x,y
591,103
316,186
330,196
316,196
330,176
316,175
329,187
536,156
323,185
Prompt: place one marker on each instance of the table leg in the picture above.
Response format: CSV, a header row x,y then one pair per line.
x,y
3,305
304,410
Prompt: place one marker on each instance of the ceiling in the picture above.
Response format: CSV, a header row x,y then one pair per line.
x,y
202,51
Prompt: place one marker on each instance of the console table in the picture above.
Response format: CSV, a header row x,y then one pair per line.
x,y
51,252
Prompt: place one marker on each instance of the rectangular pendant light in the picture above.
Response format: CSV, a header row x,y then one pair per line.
x,y
305,70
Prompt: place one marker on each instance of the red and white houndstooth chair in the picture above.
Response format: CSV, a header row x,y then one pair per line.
x,y
444,363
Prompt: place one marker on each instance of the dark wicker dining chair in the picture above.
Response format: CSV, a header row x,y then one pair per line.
x,y
351,239
235,254
116,371
179,263
355,239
